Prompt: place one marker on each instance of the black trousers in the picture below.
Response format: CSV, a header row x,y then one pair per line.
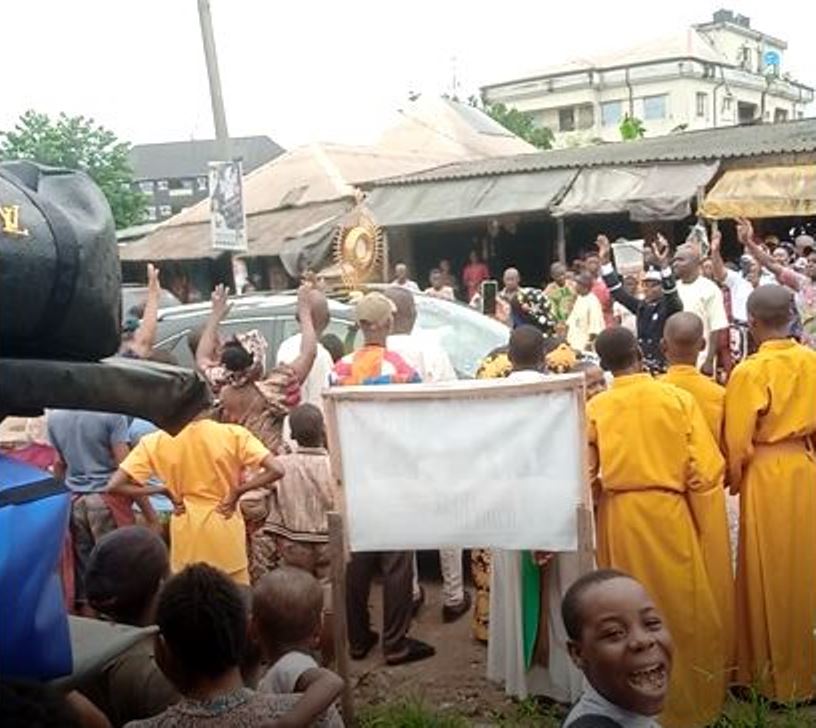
x,y
397,573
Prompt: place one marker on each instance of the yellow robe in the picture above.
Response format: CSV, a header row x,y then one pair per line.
x,y
770,433
710,397
660,508
706,392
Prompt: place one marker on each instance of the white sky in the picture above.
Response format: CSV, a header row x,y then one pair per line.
x,y
304,71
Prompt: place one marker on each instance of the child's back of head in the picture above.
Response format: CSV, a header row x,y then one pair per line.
x,y
287,610
306,423
203,624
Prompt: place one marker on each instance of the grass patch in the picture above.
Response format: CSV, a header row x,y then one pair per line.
x,y
755,712
408,713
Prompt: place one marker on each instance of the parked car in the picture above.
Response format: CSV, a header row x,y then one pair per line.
x,y
134,295
465,334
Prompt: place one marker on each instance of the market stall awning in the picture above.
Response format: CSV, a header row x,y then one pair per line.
x,y
654,192
266,232
462,199
763,192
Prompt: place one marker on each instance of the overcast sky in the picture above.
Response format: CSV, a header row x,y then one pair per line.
x,y
304,71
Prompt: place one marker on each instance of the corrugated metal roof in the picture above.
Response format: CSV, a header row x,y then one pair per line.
x,y
167,160
266,232
707,144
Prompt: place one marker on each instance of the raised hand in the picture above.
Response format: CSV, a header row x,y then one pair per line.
x,y
220,301
604,248
715,241
660,250
153,278
745,230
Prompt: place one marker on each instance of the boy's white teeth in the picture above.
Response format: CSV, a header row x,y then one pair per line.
x,y
653,677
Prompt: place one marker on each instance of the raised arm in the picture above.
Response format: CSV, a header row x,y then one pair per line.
x,y
612,279
671,298
745,235
207,351
308,338
145,335
720,272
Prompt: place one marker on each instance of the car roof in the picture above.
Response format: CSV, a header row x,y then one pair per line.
x,y
244,304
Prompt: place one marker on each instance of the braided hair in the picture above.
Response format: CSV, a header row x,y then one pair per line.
x,y
203,620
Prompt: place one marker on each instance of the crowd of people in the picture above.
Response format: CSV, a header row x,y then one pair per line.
x,y
219,534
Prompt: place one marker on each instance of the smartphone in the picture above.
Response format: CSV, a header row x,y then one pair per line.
x,y
490,290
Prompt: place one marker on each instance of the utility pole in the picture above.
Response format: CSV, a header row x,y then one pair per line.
x,y
216,98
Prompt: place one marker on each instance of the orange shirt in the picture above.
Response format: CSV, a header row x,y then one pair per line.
x,y
200,466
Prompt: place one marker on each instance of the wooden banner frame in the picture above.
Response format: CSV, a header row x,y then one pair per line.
x,y
476,389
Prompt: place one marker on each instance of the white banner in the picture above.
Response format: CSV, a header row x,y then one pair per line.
x,y
227,218
469,464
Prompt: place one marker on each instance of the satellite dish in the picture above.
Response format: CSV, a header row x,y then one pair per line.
x,y
771,58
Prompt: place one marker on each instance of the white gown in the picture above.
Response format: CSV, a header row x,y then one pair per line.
x,y
561,681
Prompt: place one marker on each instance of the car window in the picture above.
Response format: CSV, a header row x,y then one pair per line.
x,y
346,331
465,335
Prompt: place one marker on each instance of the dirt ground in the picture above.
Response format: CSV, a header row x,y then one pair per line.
x,y
455,678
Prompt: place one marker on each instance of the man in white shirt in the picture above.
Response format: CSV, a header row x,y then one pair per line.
x,y
289,350
702,297
402,280
586,319
432,364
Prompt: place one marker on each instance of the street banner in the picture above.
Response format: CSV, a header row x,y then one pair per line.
x,y
227,217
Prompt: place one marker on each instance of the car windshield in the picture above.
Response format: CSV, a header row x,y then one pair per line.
x,y
466,335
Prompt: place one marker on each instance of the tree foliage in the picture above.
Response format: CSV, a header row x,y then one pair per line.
x,y
631,128
76,142
521,123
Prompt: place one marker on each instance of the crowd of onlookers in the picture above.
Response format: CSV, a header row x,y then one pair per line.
x,y
230,554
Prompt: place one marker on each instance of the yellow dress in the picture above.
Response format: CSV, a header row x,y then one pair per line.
x,y
200,465
770,433
710,397
660,508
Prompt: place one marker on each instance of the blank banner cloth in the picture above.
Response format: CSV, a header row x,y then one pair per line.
x,y
493,464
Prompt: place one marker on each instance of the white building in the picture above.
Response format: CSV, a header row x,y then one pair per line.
x,y
719,73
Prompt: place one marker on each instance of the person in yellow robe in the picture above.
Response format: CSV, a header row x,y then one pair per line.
x,y
770,439
201,468
660,508
683,340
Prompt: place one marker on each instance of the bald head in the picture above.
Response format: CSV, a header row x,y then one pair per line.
x,y
769,311
405,314
618,350
686,262
683,338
